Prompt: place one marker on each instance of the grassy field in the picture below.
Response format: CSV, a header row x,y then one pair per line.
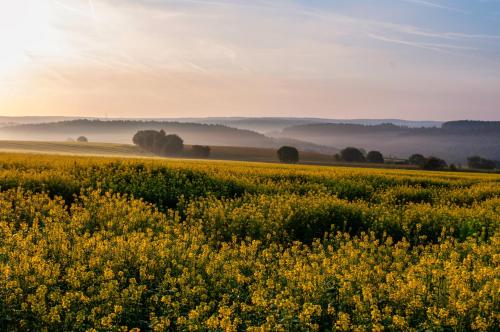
x,y
73,148
114,244
217,152
263,155
126,150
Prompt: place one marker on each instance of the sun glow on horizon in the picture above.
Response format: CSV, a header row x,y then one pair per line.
x,y
27,32
235,57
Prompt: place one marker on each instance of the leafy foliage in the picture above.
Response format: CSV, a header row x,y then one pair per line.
x,y
417,159
434,163
82,139
159,142
480,163
352,155
288,154
375,157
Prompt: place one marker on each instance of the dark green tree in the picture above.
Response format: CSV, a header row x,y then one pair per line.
x,y
480,163
82,139
172,145
375,157
434,163
288,154
417,159
158,142
352,155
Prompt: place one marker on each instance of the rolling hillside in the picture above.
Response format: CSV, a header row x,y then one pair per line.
x,y
127,150
454,141
118,131
258,124
74,148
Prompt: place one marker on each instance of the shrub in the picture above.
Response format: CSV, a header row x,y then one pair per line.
x,y
82,139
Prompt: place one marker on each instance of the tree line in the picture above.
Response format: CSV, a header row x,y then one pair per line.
x,y
163,144
288,154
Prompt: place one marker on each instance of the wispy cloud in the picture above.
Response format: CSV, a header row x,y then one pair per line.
x,y
437,47
436,5
272,56
75,10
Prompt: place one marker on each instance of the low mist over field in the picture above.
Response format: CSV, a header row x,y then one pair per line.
x,y
453,141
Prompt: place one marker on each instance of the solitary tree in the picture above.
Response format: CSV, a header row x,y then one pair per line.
x,y
434,163
375,157
417,159
352,155
288,154
82,139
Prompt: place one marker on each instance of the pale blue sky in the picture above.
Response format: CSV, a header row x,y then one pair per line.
x,y
412,59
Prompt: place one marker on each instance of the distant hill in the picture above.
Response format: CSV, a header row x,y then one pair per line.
x,y
17,120
122,131
74,148
257,124
274,124
454,141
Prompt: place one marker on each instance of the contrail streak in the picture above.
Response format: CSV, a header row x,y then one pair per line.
x,y
436,5
72,9
92,9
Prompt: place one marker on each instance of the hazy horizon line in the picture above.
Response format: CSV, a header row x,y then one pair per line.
x,y
246,117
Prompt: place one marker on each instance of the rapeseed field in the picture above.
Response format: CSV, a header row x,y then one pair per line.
x,y
103,244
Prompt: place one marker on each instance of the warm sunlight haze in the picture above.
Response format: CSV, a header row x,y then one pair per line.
x,y
249,165
432,60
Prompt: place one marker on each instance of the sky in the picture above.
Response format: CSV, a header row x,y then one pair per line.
x,y
344,59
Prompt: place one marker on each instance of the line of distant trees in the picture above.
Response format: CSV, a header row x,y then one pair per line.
x,y
159,143
482,163
355,155
290,154
474,162
448,128
429,163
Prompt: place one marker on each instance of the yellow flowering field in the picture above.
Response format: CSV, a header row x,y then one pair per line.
x,y
103,244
